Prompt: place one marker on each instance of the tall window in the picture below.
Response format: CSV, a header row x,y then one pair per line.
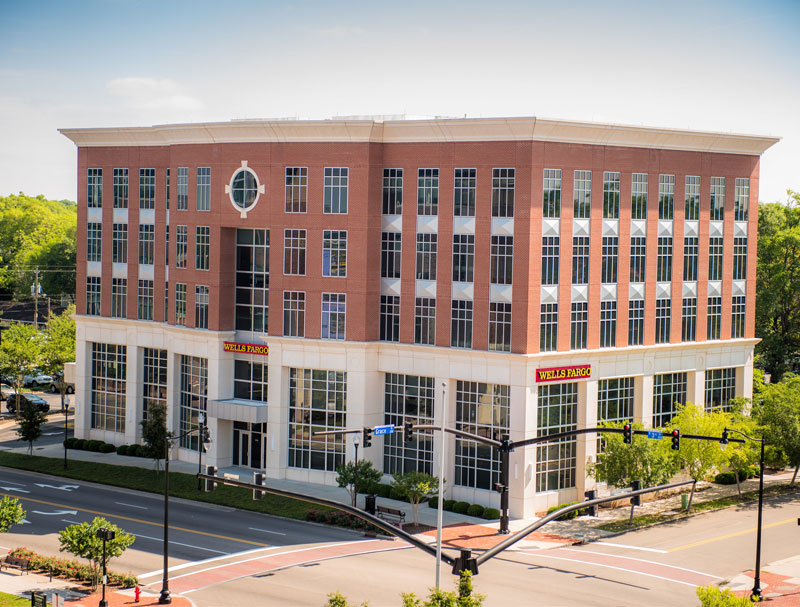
x,y
669,390
610,254
615,400
193,398
663,317
550,255
582,195
608,324
714,318
147,188
154,380
666,196
481,409
464,193
580,260
147,241
93,295
181,246
251,380
202,247
425,321
145,300
109,374
578,325
501,260
334,253
461,323
182,189
390,318
296,189
635,322
738,310
426,256
688,319
334,309
391,249
252,280
638,258
664,269
639,196
741,200
463,257
94,235
294,313
180,303
201,307
611,187
119,243
739,258
557,411
500,326
166,192
720,389
335,195
690,251
551,189
408,399
717,199
428,192
119,297
294,252
94,188
203,188
692,198
166,245
715,258
503,192
392,191
548,327
317,403
120,188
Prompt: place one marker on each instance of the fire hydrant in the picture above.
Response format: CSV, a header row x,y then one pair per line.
x,y
137,592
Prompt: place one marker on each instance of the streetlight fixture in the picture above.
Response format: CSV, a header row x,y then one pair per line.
x,y
106,535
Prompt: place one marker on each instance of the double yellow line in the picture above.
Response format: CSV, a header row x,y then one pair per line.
x,y
730,535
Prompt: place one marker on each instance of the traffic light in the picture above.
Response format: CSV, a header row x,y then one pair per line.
x,y
367,436
676,439
408,432
205,439
211,471
636,500
627,434
258,479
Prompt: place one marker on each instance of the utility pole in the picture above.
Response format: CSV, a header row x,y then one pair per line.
x,y
36,297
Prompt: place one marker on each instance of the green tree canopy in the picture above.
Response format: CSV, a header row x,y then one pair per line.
x,y
154,432
416,487
11,513
357,478
20,352
699,457
82,541
777,408
30,422
59,347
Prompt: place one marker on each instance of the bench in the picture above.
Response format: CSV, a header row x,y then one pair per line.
x,y
391,515
15,563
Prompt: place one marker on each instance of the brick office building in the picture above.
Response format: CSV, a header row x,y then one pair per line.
x,y
407,265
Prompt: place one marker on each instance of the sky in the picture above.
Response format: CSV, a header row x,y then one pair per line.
x,y
729,66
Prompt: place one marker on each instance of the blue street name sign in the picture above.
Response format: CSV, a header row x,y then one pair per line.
x,y
380,430
655,434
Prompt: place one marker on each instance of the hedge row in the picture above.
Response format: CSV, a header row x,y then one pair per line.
x,y
340,519
729,477
568,515
98,446
70,569
475,510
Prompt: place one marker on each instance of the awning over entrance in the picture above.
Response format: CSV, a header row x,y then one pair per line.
x,y
238,410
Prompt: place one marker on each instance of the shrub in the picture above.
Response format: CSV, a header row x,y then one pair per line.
x,y
122,450
396,495
568,515
135,450
461,507
725,478
70,569
80,444
107,448
70,442
94,445
382,490
475,510
434,503
712,596
491,514
448,505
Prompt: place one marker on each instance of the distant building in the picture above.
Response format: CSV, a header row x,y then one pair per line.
x,y
285,277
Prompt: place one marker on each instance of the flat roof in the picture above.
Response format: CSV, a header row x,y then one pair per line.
x,y
422,131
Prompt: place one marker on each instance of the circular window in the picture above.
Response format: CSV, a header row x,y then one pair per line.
x,y
244,189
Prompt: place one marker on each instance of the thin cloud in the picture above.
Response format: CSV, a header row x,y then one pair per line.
x,y
153,94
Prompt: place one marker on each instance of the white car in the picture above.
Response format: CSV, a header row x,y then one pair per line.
x,y
40,379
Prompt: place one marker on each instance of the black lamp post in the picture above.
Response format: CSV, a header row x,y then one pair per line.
x,y
66,416
356,443
200,448
106,535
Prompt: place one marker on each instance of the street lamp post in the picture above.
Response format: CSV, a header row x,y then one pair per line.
x,y
106,535
356,443
66,416
202,419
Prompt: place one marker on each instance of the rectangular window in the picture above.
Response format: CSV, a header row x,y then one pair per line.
x,y
201,307
639,196
428,192
608,324
167,188
335,194
692,198
252,280
334,312
334,253
408,399
739,258
717,199
93,295
109,375
94,235
500,326
154,380
669,390
663,317
580,260
688,319
638,258
426,256
690,252
145,301
147,188
582,195
635,322
180,303
461,323
548,327
664,268
557,411
203,188
551,193
501,260
720,389
425,321
119,297
738,310
503,192
666,196
463,257
550,257
464,193
741,201
482,409
296,190
182,187
611,188
294,252
390,318
166,246
94,188
147,243
610,254
294,314
614,402
181,246
715,258
250,380
392,191
317,403
193,398
578,325
714,318
202,247
166,301
119,243
120,188
391,249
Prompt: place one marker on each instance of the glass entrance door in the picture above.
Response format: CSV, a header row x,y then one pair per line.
x,y
249,445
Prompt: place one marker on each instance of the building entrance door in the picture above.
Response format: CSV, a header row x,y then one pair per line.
x,y
249,445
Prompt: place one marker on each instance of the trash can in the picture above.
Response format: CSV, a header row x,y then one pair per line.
x,y
369,503
684,500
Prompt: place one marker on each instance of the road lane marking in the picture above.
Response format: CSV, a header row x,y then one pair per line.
x,y
630,547
131,505
66,520
13,489
56,513
12,483
265,531
59,487
730,535
631,558
161,539
203,562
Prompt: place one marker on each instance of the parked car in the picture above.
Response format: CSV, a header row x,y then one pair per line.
x,y
54,386
38,379
5,390
15,399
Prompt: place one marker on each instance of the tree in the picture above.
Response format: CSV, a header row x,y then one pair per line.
x,y
442,598
154,432
82,541
357,478
647,460
699,457
30,422
59,347
20,352
11,513
416,487
777,408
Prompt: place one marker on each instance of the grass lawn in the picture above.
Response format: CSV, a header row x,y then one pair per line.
x,y
12,600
